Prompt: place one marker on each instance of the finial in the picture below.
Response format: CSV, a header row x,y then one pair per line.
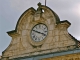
x,y
39,4
39,7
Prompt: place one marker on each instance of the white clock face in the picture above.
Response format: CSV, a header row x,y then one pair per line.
x,y
39,32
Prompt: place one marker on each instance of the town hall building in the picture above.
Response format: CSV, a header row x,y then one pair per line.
x,y
40,35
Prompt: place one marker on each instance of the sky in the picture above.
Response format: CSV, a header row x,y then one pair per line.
x,y
11,10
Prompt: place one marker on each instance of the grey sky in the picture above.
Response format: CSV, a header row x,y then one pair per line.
x,y
11,10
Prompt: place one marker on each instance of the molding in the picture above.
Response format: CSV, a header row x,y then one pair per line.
x,y
49,55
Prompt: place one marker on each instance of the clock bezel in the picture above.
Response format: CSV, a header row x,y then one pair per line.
x,y
34,27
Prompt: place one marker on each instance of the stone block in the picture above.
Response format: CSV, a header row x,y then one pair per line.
x,y
66,43
55,50
18,39
52,43
46,51
51,26
71,42
29,26
23,26
63,38
56,38
48,21
45,47
29,50
63,48
60,44
24,38
56,45
72,47
15,40
56,32
53,33
49,40
35,53
50,33
24,32
19,31
62,32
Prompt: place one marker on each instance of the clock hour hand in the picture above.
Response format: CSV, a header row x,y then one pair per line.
x,y
43,34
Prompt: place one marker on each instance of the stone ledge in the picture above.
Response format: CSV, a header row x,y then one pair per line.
x,y
48,55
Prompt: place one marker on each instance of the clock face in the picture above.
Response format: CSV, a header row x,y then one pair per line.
x,y
39,32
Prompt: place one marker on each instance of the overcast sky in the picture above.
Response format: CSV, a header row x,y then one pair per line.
x,y
11,10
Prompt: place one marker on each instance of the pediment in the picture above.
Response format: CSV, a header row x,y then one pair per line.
x,y
57,40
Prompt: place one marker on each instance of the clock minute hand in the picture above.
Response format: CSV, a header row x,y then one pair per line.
x,y
36,31
40,32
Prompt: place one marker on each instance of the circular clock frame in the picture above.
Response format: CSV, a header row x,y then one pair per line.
x,y
38,34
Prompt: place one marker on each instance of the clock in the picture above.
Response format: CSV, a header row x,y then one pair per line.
x,y
39,32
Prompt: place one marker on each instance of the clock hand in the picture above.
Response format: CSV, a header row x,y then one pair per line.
x,y
43,34
40,32
36,31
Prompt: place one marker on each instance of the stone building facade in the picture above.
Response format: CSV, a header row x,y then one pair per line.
x,y
40,35
0,57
